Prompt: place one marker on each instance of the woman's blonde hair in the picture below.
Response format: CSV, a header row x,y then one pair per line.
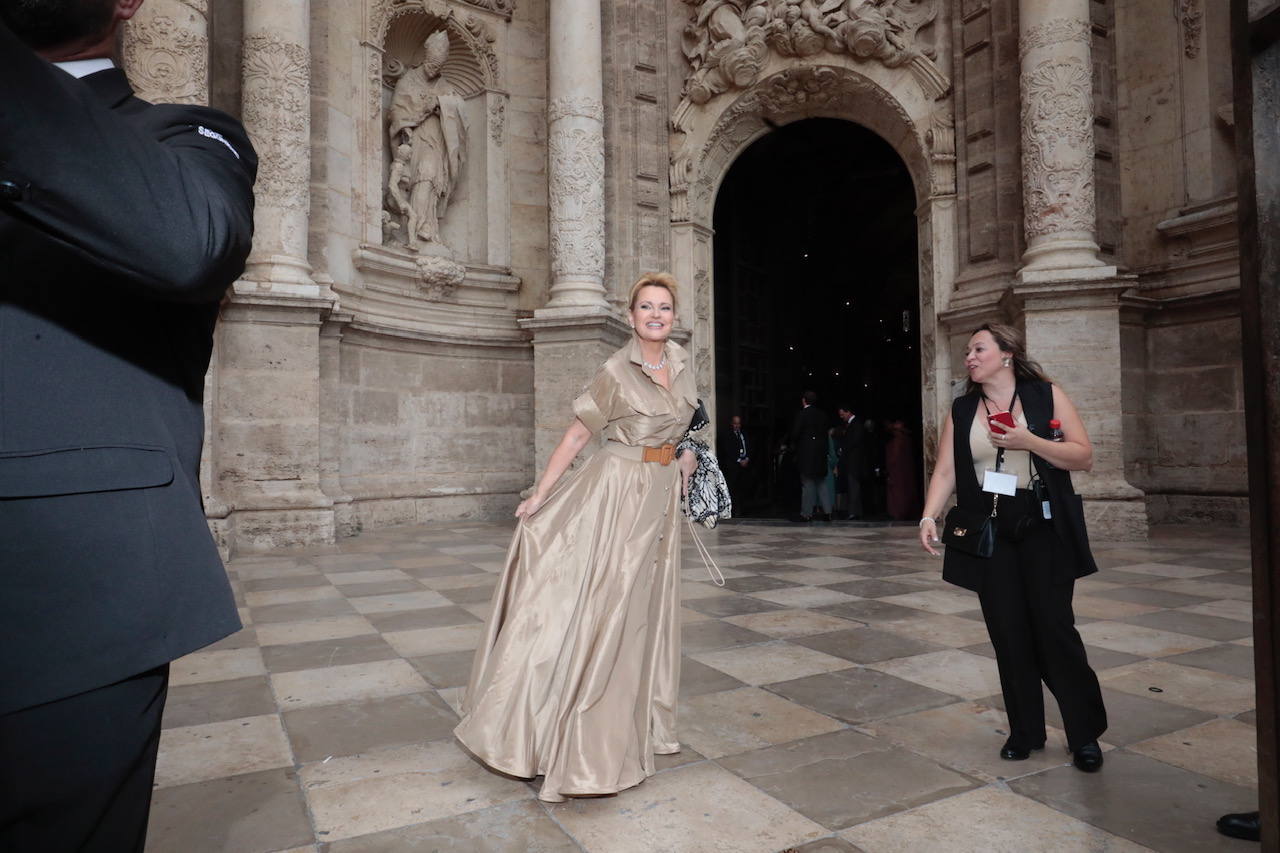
x,y
1010,340
654,279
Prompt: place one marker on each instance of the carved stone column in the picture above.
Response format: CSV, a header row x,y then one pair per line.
x,y
575,121
277,114
268,432
166,51
1057,139
1070,298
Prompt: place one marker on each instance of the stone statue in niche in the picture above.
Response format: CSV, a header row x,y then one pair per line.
x,y
428,135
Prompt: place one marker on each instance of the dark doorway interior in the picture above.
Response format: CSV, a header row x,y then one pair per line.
x,y
816,287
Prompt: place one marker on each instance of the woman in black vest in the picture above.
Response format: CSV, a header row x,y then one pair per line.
x,y
1025,585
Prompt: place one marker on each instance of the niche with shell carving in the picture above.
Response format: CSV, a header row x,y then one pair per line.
x,y
439,81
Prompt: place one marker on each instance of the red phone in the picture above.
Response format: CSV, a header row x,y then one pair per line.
x,y
1000,421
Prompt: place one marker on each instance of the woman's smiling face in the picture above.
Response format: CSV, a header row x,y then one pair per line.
x,y
654,313
983,358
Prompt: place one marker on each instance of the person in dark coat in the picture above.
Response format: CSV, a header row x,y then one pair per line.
x,y
736,457
121,226
808,445
1025,584
852,467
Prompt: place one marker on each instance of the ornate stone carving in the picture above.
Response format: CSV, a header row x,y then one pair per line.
x,y
427,132
728,41
1191,16
472,65
497,121
1054,31
941,139
558,108
276,107
505,8
576,188
168,59
439,277
1058,147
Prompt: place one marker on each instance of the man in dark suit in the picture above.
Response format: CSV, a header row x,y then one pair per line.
x,y
853,457
121,226
808,444
735,460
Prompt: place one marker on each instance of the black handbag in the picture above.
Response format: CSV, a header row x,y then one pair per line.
x,y
971,531
699,419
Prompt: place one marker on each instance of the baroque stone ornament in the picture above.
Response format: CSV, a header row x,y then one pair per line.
x,y
1058,147
941,139
276,104
168,59
1191,16
558,108
439,277
497,121
727,42
472,65
577,199
1055,31
427,131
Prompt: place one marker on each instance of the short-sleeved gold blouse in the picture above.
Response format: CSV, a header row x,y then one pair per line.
x,y
630,406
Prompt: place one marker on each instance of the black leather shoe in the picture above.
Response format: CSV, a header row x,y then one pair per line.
x,y
1245,825
1009,752
1088,757
824,516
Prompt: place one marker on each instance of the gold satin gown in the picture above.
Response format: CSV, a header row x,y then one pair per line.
x,y
576,677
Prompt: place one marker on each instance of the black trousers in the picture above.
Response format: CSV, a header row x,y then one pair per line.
x,y
76,773
1027,608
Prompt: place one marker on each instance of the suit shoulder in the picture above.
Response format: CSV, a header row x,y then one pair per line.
x,y
172,121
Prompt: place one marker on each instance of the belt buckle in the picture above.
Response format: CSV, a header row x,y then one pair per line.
x,y
666,453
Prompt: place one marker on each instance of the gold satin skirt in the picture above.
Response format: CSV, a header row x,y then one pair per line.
x,y
577,675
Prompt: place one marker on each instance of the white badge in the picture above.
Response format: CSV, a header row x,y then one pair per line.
x,y
999,483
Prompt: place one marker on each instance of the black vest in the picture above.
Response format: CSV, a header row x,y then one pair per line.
x,y
968,571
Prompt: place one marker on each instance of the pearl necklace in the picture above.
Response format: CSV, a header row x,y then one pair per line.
x,y
662,362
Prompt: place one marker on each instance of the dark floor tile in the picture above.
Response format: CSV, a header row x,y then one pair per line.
x,y
1100,658
444,570
1146,801
757,583
1153,597
520,827
294,582
1234,578
860,695
1227,657
866,645
302,610
870,611
254,811
1129,718
1195,624
731,605
322,653
872,588
697,678
450,669
872,570
468,594
713,634
358,727
1250,717
812,776
197,704
431,617
1129,578
825,845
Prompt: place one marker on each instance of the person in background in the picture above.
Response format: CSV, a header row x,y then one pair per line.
x,y
1041,545
808,445
902,476
122,224
735,461
852,468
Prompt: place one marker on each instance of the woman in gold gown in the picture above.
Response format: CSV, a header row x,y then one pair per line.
x,y
576,677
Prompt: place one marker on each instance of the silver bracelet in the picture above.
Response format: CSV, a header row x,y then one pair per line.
x,y
926,518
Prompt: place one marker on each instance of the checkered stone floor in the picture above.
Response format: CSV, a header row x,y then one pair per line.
x,y
836,696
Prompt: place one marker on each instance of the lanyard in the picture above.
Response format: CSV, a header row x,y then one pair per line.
x,y
1012,400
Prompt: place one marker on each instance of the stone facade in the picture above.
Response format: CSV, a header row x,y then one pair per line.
x,y
1073,173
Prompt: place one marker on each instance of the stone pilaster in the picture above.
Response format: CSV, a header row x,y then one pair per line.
x,y
575,141
268,432
1070,297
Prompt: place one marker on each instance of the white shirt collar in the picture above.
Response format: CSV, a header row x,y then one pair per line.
x,y
85,67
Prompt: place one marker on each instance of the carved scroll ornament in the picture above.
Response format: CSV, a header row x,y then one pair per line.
x,y
168,61
577,200
276,105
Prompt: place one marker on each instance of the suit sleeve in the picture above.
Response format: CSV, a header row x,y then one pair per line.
x,y
163,200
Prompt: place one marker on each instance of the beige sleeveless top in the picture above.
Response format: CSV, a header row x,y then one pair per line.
x,y
984,455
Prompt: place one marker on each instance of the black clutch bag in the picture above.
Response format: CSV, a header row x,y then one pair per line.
x,y
970,531
700,418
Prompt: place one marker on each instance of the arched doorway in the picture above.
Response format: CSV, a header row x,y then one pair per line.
x,y
816,288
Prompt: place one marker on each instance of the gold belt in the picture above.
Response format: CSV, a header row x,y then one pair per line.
x,y
663,455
